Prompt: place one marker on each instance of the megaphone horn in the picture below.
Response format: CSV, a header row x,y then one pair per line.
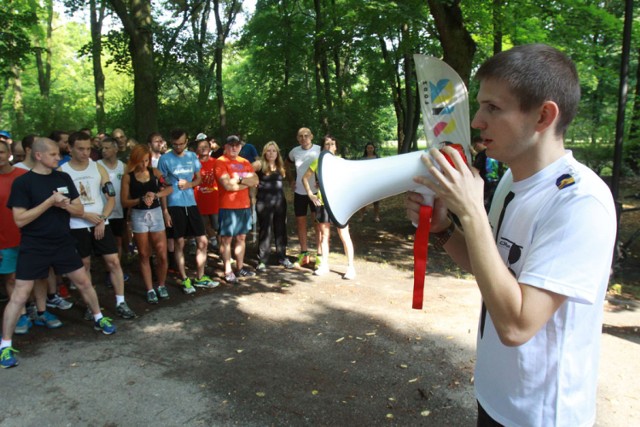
x,y
349,185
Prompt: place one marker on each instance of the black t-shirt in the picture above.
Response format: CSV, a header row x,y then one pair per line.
x,y
138,189
50,229
270,188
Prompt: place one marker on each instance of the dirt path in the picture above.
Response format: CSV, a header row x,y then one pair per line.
x,y
288,349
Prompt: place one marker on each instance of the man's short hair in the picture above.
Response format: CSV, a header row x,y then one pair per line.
x,y
56,135
110,140
176,134
153,135
27,142
537,73
78,136
40,145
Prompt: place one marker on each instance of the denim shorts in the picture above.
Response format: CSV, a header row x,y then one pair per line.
x,y
147,220
9,260
234,222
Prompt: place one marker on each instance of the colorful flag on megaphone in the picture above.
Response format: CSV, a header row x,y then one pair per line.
x,y
444,102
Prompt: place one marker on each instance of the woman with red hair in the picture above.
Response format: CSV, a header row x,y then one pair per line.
x,y
142,188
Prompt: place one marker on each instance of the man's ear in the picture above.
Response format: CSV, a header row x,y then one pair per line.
x,y
549,114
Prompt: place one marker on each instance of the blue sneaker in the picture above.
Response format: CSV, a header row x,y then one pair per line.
x,y
23,325
105,326
7,359
47,319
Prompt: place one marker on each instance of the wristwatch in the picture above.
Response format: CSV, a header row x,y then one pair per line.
x,y
443,236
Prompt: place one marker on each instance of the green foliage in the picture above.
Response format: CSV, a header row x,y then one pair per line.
x,y
270,76
17,18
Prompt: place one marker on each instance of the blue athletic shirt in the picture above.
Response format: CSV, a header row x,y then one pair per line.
x,y
175,168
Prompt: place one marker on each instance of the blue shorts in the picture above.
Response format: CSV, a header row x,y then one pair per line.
x,y
234,222
9,260
147,220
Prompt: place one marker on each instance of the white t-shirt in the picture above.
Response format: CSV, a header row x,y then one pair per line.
x,y
115,176
557,234
302,159
21,165
87,182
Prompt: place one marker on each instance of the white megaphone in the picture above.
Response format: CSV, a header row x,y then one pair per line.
x,y
349,185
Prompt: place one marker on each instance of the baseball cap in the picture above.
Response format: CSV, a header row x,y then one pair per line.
x,y
233,139
201,137
5,133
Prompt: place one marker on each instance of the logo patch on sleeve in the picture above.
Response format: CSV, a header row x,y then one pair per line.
x,y
565,181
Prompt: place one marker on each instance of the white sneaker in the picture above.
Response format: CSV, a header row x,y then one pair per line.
x,y
324,269
350,274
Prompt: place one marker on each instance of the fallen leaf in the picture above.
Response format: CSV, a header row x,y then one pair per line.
x,y
370,333
239,350
425,413
413,380
403,366
261,394
314,392
340,339
228,359
390,416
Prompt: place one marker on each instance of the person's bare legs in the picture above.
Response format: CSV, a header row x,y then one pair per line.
x,y
179,256
15,307
83,282
301,224
239,250
225,253
159,243
144,255
201,254
115,272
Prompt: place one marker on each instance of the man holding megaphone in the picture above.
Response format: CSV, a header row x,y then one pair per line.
x,y
542,255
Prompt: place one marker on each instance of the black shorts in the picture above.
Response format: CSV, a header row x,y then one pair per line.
x,y
117,226
88,245
300,204
187,221
34,264
322,215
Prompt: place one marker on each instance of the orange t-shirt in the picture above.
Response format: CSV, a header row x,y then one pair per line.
x,y
234,168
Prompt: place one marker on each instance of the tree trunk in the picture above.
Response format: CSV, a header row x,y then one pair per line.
x,y
497,25
323,90
18,106
97,16
137,23
633,154
44,64
457,44
222,32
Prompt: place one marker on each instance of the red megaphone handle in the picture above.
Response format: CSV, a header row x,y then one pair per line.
x,y
420,255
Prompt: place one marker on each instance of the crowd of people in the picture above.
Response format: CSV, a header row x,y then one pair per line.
x,y
73,196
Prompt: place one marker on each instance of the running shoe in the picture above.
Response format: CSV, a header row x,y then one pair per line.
x,y
162,292
324,269
23,325
7,359
350,274
303,259
32,311
245,272
230,278
58,302
152,298
206,282
186,286
261,268
105,326
124,311
286,263
47,319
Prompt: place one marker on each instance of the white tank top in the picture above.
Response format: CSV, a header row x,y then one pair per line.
x,y
115,176
87,182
